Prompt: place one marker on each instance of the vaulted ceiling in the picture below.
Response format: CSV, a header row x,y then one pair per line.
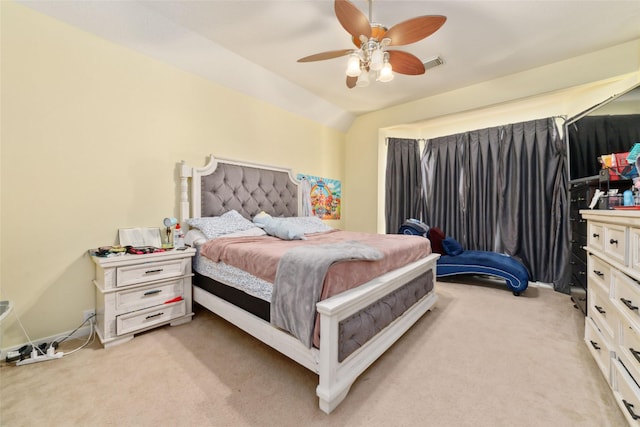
x,y
253,45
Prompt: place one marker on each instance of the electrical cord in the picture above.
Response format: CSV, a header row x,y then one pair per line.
x,y
62,338
35,347
91,337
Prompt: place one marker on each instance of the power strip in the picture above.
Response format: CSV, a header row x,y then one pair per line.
x,y
37,357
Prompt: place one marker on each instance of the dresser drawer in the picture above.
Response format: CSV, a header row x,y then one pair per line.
x,y
595,235
600,348
634,249
143,297
627,393
603,313
146,272
599,273
629,349
142,319
626,295
615,243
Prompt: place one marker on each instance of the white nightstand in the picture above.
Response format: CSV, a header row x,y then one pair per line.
x,y
135,293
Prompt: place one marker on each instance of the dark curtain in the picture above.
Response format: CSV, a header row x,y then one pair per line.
x,y
593,136
503,189
403,183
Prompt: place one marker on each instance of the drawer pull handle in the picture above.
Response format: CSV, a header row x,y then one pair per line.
x,y
629,407
151,316
159,270
598,273
613,242
635,353
155,291
596,235
600,309
627,302
595,345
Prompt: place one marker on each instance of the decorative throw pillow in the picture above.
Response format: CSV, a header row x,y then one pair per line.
x,y
216,226
451,246
436,236
278,228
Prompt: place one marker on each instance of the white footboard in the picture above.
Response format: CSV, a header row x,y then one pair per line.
x,y
335,378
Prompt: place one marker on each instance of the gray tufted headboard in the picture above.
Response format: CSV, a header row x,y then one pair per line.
x,y
248,188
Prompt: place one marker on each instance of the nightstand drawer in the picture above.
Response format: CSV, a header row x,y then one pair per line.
x,y
132,274
138,298
142,319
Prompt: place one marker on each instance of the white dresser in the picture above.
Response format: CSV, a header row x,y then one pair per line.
x,y
135,293
612,328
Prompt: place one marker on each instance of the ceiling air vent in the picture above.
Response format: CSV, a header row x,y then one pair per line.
x,y
433,62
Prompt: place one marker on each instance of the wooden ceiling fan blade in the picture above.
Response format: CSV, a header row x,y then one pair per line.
x,y
405,63
326,55
351,82
352,19
415,29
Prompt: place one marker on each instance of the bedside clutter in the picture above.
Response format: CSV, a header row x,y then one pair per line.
x,y
137,292
612,325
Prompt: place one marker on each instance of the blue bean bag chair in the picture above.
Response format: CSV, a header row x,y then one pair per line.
x,y
455,260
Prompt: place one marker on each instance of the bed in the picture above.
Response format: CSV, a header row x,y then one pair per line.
x,y
350,328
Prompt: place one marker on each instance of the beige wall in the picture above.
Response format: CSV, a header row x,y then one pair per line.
x,y
91,137
562,89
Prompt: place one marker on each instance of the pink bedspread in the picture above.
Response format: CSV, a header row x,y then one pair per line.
x,y
260,256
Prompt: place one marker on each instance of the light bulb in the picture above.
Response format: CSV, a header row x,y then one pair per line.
x,y
353,66
377,60
363,80
386,73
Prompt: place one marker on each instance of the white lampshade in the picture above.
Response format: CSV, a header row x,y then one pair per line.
x,y
386,73
363,80
377,60
353,66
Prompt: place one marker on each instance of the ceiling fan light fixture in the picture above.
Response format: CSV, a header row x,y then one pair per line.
x,y
386,73
363,80
377,59
353,66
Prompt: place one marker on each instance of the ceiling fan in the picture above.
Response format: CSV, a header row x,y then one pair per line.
x,y
371,41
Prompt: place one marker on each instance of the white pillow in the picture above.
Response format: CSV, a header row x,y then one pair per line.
x,y
216,226
278,228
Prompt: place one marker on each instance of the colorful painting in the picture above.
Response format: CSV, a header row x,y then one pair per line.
x,y
325,196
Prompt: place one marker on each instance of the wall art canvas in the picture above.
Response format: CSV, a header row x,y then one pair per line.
x,y
326,194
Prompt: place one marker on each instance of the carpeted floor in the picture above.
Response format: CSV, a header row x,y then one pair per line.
x,y
481,357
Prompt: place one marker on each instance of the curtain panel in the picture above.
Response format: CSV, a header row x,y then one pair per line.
x,y
592,136
503,189
403,183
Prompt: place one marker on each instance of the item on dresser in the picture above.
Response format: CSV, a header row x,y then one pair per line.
x,y
135,293
220,199
612,325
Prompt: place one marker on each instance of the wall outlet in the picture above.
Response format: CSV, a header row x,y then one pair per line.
x,y
87,314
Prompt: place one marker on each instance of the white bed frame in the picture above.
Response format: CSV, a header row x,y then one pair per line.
x,y
335,378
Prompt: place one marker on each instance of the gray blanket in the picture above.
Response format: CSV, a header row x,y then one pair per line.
x,y
299,279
